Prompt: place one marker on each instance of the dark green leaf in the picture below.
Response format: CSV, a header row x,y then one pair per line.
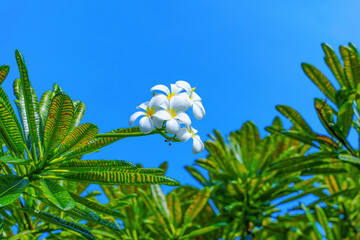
x,y
57,194
60,222
11,186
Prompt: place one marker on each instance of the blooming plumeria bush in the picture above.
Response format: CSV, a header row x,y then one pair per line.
x,y
166,110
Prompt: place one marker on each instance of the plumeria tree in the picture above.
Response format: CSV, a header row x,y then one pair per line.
x,y
40,158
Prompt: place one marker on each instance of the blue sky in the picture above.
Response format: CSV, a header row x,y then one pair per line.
x,y
242,56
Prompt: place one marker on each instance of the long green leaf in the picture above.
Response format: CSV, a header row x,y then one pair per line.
x,y
295,118
199,202
45,102
345,55
4,71
117,178
11,186
57,194
60,222
345,118
325,114
1,228
85,213
11,126
94,145
14,160
174,206
58,122
32,114
323,220
312,221
97,207
78,137
334,64
78,114
320,81
355,64
202,231
100,164
248,137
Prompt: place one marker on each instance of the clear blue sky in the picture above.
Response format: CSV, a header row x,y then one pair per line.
x,y
243,56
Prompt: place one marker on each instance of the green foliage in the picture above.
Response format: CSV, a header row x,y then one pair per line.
x,y
44,149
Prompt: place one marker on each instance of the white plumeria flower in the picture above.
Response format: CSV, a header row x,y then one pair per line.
x,y
198,108
172,115
186,133
147,122
182,102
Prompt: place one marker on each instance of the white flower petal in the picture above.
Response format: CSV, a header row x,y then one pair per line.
x,y
184,85
157,100
135,116
172,126
143,106
162,88
193,130
175,89
195,97
198,110
198,145
180,102
158,122
146,125
183,118
183,134
162,115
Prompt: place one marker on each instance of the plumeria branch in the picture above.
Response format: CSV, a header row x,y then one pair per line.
x,y
139,134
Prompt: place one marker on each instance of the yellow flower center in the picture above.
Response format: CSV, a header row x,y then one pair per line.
x,y
170,96
173,113
150,111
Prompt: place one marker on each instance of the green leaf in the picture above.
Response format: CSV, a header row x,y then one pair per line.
x,y
4,71
202,231
21,107
349,159
199,202
92,164
174,207
14,160
248,137
345,54
321,216
196,174
355,64
57,194
78,114
97,207
116,177
320,81
345,118
96,144
327,114
295,118
29,101
58,122
85,213
1,227
11,186
47,217
11,126
78,137
334,64
45,102
312,221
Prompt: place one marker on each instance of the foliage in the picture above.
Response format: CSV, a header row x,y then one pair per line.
x,y
40,166
245,178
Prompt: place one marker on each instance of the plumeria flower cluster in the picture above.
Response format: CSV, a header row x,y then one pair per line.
x,y
166,111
